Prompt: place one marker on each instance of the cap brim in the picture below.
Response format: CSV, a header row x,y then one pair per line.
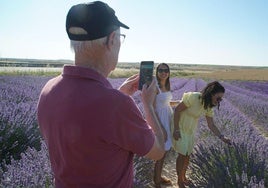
x,y
123,25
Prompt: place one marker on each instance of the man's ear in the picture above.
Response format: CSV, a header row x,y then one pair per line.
x,y
111,40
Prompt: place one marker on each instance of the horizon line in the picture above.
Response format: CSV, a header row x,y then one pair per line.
x,y
69,60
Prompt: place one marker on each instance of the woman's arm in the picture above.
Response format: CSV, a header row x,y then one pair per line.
x,y
178,110
174,103
216,131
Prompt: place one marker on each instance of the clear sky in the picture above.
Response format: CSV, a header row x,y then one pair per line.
x,y
231,32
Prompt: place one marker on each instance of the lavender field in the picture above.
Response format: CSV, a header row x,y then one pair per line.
x,y
243,117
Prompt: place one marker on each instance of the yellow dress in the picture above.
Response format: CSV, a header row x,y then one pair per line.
x,y
188,122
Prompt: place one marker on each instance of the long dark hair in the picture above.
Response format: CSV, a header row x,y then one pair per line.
x,y
208,92
167,84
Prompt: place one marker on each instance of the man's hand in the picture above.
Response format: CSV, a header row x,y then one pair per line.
x,y
130,85
149,92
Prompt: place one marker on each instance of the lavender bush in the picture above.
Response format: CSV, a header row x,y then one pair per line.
x,y
18,124
213,163
246,158
227,166
32,170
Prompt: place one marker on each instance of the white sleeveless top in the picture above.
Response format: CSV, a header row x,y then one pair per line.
x,y
164,112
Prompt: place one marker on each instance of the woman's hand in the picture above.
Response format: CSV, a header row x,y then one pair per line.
x,y
226,140
176,134
130,85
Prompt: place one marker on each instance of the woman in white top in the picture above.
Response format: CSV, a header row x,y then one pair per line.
x,y
164,112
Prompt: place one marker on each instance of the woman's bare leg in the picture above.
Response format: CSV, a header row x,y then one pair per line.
x,y
158,170
179,168
185,166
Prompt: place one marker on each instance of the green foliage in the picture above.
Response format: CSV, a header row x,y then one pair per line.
x,y
30,73
181,74
15,140
123,73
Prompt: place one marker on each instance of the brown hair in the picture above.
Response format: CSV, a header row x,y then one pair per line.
x,y
209,91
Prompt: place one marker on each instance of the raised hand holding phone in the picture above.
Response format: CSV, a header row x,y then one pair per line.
x,y
146,73
149,92
130,85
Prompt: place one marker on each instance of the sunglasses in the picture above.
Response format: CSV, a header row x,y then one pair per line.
x,y
163,70
219,99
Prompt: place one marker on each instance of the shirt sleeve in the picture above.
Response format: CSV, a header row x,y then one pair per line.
x,y
187,99
131,132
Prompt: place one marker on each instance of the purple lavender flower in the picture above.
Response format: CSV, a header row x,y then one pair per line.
x,y
242,117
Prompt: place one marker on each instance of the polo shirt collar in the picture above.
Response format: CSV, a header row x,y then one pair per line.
x,y
84,72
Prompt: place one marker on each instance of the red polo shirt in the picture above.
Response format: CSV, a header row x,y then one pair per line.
x,y
91,129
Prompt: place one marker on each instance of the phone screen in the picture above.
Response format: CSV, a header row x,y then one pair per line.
x,y
146,73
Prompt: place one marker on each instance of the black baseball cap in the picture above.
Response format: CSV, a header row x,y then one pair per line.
x,y
96,19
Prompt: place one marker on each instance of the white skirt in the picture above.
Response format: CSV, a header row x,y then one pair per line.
x,y
165,115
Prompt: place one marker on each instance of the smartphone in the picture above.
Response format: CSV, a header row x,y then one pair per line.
x,y
146,73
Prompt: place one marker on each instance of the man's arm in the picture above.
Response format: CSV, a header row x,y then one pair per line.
x,y
148,97
157,151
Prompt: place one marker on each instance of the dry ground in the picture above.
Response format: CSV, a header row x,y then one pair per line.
x,y
169,171
215,72
221,72
124,70
239,74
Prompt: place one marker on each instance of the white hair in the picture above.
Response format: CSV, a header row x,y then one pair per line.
x,y
80,46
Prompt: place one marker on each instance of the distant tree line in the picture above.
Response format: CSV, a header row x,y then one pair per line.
x,y
13,62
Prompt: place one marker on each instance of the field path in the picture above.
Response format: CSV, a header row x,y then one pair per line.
x,y
169,170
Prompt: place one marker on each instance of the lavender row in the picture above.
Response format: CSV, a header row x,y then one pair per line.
x,y
242,164
231,121
259,87
18,98
253,108
177,83
235,125
190,85
214,160
18,123
249,92
19,133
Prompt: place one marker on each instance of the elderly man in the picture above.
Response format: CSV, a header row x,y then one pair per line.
x,y
92,130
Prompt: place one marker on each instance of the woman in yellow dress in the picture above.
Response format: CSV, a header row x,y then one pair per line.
x,y
186,116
